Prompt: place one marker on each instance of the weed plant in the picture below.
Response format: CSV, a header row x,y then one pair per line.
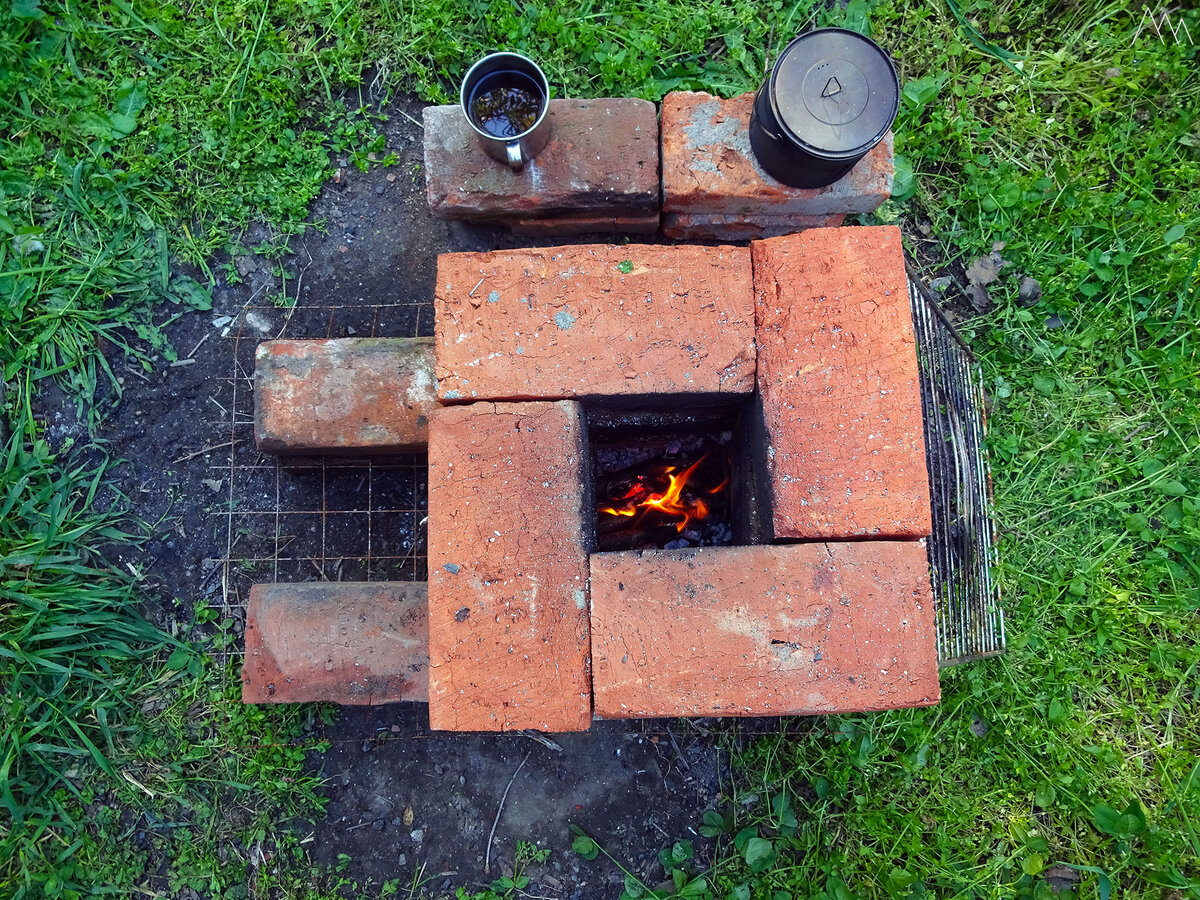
x,y
140,135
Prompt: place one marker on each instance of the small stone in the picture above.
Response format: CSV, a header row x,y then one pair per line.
x,y
395,729
985,269
402,860
391,177
417,835
377,824
214,484
940,284
379,190
222,321
1054,321
397,821
1029,291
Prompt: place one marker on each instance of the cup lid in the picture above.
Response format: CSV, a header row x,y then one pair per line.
x,y
834,92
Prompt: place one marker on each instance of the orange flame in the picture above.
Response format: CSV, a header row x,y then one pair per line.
x,y
671,502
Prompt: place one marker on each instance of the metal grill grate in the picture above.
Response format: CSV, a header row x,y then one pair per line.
x,y
962,548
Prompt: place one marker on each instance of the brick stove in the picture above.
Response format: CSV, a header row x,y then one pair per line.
x,y
829,609
832,612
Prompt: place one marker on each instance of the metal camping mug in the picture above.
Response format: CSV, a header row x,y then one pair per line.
x,y
486,97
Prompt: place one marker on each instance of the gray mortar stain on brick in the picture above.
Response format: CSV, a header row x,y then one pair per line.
x,y
297,367
563,319
494,297
453,395
730,132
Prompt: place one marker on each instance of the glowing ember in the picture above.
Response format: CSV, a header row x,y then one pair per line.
x,y
670,500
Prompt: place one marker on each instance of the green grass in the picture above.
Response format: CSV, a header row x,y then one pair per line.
x,y
142,134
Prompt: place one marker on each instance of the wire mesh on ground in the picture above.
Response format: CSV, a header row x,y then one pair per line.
x,y
315,518
330,518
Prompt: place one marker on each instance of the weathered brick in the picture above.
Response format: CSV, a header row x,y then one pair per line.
x,y
343,395
594,320
708,167
508,609
601,160
563,226
682,226
838,382
771,630
354,643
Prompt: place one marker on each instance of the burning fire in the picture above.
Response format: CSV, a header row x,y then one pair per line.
x,y
671,501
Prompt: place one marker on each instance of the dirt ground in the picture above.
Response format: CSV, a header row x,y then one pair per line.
x,y
402,800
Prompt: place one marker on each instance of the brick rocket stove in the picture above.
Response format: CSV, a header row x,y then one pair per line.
x,y
805,344
664,480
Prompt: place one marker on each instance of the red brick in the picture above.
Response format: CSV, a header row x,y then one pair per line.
x,y
682,226
568,322
838,382
344,642
562,226
709,169
344,395
602,160
778,630
508,610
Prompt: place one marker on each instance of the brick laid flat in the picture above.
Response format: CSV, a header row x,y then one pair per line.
x,y
594,320
601,160
709,169
769,630
838,382
508,604
354,643
684,226
343,395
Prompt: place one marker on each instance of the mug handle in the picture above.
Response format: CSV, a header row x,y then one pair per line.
x,y
515,161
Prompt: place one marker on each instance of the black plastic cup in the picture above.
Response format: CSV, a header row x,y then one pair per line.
x,y
830,98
